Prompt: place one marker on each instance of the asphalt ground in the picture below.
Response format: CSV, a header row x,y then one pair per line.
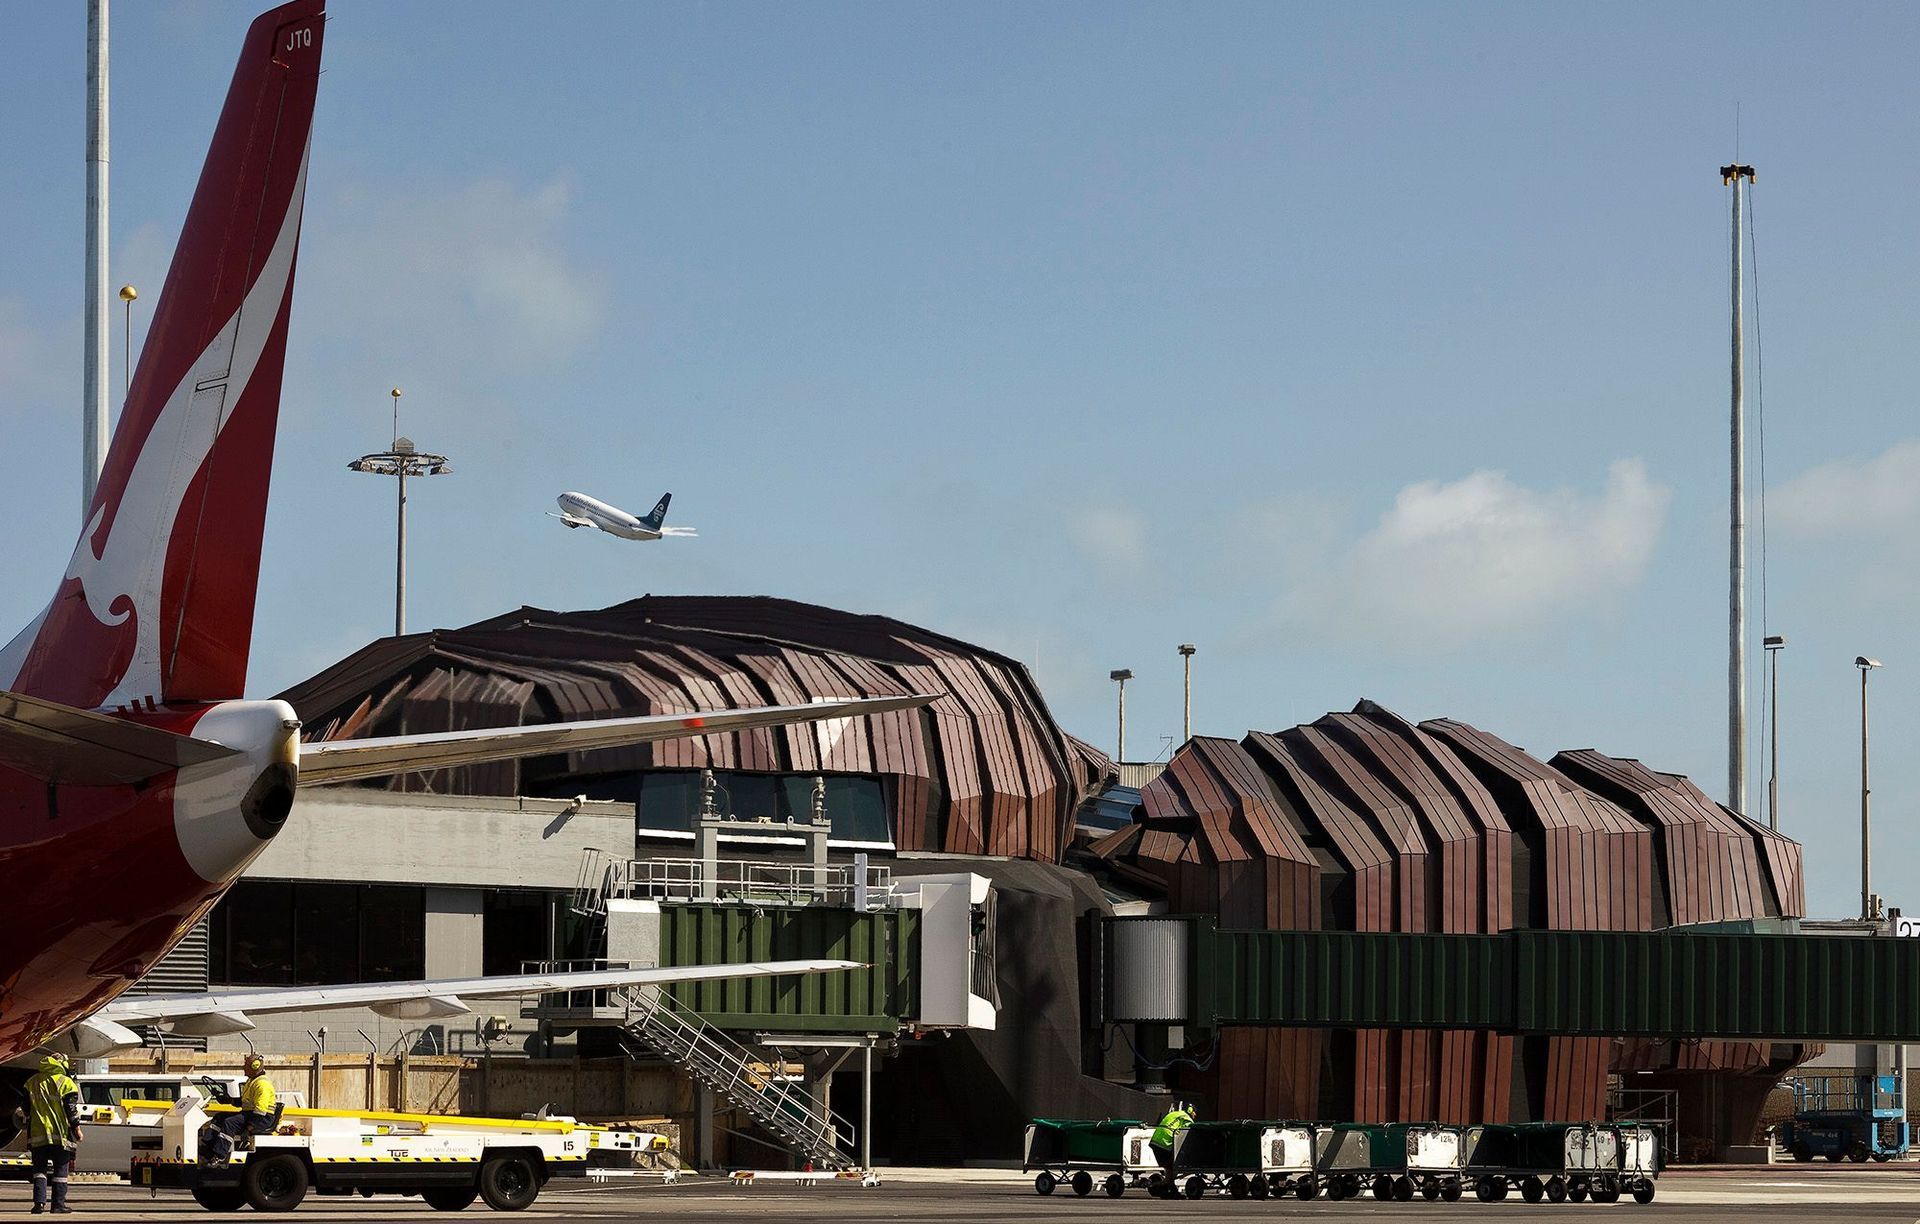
x,y
1872,1193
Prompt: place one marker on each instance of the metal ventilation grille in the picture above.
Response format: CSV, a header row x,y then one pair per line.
x,y
1149,968
181,971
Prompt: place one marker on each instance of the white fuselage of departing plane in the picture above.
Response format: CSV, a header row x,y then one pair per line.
x,y
579,510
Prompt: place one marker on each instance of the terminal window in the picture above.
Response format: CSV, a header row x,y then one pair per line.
x,y
272,933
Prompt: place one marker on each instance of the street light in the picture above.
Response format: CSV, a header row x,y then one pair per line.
x,y
1775,643
1122,675
128,294
402,461
1868,910
1186,680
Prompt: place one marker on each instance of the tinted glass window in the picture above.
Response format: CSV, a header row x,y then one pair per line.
x,y
393,934
514,930
253,925
326,933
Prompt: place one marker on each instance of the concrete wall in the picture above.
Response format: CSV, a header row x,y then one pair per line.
x,y
373,837
457,847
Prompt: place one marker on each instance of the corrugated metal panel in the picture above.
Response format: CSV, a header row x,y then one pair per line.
x,y
1566,984
1150,969
181,971
859,1000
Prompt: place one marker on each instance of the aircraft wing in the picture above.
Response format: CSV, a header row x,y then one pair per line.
x,y
220,1013
325,761
412,1000
58,743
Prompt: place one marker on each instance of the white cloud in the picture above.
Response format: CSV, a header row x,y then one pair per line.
x,y
1452,562
471,278
1113,540
1852,497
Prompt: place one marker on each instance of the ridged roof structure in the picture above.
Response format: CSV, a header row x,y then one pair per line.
x,y
983,770
1365,821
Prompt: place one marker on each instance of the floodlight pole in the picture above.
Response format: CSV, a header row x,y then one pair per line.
x,y
1774,643
402,461
1737,517
1121,676
1186,685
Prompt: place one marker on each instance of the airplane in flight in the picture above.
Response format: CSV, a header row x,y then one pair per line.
x,y
135,786
579,510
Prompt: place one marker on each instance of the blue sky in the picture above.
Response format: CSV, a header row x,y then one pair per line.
x,y
1379,350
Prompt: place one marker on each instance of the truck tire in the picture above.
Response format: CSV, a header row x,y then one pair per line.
x,y
450,1198
276,1183
509,1183
219,1198
1801,1152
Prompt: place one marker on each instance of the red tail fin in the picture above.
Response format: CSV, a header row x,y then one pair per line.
x,y
158,599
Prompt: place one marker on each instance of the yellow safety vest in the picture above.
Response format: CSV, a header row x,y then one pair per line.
x,y
258,1096
1175,1121
47,1122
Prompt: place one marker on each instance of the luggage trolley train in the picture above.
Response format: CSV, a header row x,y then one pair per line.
x,y
1243,1159
1114,1153
1561,1161
1543,1161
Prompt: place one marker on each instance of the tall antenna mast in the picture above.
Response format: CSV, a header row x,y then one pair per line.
x,y
1737,516
93,425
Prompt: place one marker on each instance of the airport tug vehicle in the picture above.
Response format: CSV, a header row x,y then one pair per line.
x,y
1112,1153
447,1160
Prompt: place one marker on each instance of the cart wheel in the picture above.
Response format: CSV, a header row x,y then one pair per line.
x,y
1429,1188
1857,1152
1882,1157
1306,1189
1643,1193
1531,1189
1082,1183
1115,1185
1258,1188
1801,1152
277,1183
1499,1189
1196,1186
509,1183
1577,1191
1383,1188
1483,1189
219,1198
1237,1186
1836,1156
1451,1190
1044,1183
1403,1189
1556,1190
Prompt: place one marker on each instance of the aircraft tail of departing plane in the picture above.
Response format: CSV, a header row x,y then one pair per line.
x,y
658,515
157,601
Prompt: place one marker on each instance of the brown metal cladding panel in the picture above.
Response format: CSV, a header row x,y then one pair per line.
x,y
798,746
960,767
1258,804
1000,781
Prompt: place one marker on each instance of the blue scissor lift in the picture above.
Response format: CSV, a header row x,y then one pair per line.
x,y
1847,1117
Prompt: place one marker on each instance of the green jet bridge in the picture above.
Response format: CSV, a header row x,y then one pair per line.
x,y
1673,984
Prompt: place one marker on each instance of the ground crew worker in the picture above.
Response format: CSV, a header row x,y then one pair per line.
x,y
53,1130
1176,1120
257,1100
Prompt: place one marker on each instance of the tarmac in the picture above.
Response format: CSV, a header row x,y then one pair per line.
x,y
1791,1192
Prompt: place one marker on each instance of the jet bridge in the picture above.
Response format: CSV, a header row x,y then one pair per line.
x,y
1672,984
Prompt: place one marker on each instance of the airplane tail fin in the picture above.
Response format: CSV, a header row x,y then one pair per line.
x,y
157,602
658,515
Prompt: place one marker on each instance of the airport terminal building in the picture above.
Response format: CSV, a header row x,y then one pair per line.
x,y
1357,821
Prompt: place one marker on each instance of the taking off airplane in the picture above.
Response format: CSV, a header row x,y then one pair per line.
x,y
134,785
579,510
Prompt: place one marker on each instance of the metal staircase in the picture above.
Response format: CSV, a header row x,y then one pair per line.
x,y
784,1109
